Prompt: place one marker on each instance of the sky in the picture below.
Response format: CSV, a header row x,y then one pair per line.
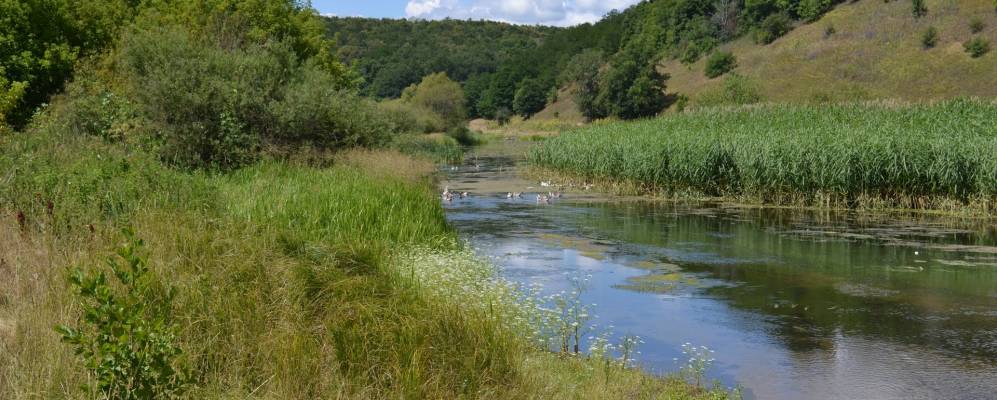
x,y
545,12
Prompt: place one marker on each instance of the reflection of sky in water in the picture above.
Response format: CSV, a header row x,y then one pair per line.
x,y
795,305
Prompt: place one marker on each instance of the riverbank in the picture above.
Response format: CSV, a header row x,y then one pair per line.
x,y
288,280
857,156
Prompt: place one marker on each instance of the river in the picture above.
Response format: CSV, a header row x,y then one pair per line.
x,y
795,304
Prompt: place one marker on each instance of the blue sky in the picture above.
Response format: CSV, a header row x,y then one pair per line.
x,y
546,12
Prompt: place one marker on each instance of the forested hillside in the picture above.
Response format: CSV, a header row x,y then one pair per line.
x,y
699,52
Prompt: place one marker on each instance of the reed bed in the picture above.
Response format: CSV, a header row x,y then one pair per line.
x,y
924,156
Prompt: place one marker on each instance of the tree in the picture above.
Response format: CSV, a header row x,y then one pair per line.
x,y
631,87
811,10
725,17
582,74
440,95
530,98
772,28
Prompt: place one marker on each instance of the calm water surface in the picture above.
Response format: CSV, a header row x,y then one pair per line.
x,y
796,304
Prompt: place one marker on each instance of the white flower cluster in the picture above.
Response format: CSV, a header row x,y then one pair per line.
x,y
555,322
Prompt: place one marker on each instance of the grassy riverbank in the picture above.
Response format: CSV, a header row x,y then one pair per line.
x,y
291,281
875,155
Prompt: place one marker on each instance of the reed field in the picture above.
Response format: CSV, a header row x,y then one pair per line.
x,y
941,155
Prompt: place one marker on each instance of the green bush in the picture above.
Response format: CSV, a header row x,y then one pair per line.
x,y
929,38
503,115
434,147
464,136
720,63
918,8
127,342
829,31
772,28
977,47
441,96
736,90
213,107
811,10
976,25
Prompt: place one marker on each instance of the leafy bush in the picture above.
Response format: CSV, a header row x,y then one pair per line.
x,y
720,63
127,342
976,25
977,47
772,28
503,115
530,98
434,147
464,136
929,38
811,10
736,90
212,107
918,8
441,96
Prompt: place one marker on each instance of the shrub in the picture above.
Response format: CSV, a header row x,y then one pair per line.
x,y
464,136
503,115
772,28
976,47
918,8
213,107
736,90
929,38
441,96
976,25
811,10
631,87
829,31
127,342
720,63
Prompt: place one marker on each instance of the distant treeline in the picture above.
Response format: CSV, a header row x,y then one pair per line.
x,y
609,64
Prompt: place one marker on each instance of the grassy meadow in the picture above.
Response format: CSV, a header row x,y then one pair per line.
x,y
873,51
288,280
929,156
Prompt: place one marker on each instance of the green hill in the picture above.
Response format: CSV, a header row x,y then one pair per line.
x,y
874,52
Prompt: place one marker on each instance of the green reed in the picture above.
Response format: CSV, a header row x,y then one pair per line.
x,y
911,156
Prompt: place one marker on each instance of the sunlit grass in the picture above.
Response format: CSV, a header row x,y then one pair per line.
x,y
864,154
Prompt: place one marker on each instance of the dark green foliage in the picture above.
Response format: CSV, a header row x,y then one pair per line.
x,y
464,136
503,115
631,87
531,97
977,47
720,63
918,8
583,73
976,25
772,28
211,107
929,38
127,341
43,39
829,31
812,10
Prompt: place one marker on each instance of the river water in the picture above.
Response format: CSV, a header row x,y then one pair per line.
x,y
795,304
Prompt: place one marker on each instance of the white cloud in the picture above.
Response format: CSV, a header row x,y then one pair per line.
x,y
545,12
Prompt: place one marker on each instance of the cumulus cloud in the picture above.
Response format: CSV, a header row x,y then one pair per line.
x,y
545,12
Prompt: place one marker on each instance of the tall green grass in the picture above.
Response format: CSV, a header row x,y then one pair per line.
x,y
912,156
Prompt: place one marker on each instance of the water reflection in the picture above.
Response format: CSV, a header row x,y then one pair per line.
x,y
797,304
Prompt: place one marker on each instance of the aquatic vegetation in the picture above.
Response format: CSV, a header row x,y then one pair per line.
x,y
851,155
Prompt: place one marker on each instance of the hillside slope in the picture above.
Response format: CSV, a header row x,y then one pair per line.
x,y
875,52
